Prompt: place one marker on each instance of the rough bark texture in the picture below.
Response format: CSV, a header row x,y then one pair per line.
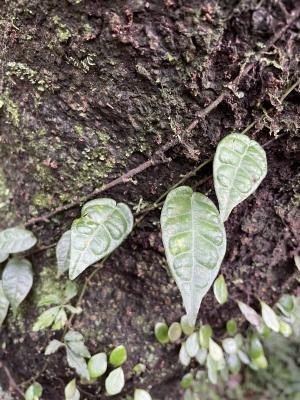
x,y
90,89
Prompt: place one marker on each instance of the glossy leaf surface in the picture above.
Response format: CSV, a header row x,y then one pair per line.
x,y
103,226
141,394
71,391
118,356
17,281
115,382
4,305
195,242
239,166
63,253
220,290
78,363
16,240
97,365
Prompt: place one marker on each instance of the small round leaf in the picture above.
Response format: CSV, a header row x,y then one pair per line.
x,y
97,365
161,332
115,382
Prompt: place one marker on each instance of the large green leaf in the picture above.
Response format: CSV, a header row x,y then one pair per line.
x,y
103,226
195,242
4,304
16,240
63,253
17,281
240,165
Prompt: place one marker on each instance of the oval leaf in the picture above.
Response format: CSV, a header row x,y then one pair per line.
x,y
16,240
118,356
141,394
71,391
97,365
17,281
115,382
195,243
186,327
220,290
4,305
161,332
78,363
184,358
34,391
192,345
103,226
174,332
240,164
63,253
269,317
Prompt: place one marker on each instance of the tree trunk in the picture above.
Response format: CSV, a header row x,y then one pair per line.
x,y
91,89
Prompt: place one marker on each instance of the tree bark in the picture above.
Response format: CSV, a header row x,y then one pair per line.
x,y
91,89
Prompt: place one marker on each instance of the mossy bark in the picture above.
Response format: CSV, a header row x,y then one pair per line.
x,y
90,89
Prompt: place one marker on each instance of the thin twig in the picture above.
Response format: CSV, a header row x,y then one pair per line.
x,y
11,382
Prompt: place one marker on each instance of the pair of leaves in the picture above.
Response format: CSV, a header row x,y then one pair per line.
x,y
57,315
76,351
17,279
192,228
102,227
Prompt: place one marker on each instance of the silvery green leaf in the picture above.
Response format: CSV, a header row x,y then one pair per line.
x,y
212,369
3,256
195,242
240,164
141,394
70,291
187,328
251,316
215,351
60,320
72,336
184,358
49,300
71,391
101,229
4,305
73,310
115,382
201,356
46,319
63,253
97,365
174,332
192,345
16,240
78,363
220,290
285,329
205,333
79,348
286,304
17,281
269,317
34,391
234,363
243,357
230,345
53,346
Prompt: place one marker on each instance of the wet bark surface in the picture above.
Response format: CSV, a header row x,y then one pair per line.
x,y
90,89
